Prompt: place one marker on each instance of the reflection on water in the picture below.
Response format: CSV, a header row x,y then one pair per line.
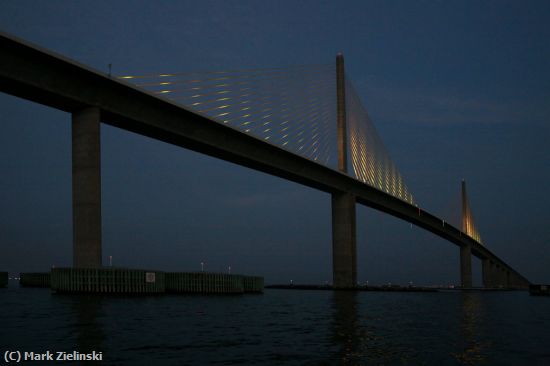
x,y
359,336
346,330
283,327
401,329
473,347
90,335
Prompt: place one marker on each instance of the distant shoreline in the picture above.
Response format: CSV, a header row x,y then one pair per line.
x,y
384,288
359,288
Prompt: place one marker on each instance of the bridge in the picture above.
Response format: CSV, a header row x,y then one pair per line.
x,y
282,131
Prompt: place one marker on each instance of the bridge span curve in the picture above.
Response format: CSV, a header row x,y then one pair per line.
x,y
32,73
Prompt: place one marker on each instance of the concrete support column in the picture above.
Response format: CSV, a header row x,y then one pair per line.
x,y
517,282
344,252
498,275
86,188
496,279
486,273
512,281
466,266
493,275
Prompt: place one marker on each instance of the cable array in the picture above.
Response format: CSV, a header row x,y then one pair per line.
x,y
292,108
370,160
468,224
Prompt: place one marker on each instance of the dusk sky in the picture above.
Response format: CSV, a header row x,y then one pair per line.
x,y
457,90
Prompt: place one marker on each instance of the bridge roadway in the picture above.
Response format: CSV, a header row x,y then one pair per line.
x,y
35,74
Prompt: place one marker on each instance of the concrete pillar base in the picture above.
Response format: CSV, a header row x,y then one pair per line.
x,y
344,252
486,273
466,266
86,188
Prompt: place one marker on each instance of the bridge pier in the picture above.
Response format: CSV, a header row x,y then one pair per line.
x,y
491,274
496,279
486,272
513,280
494,275
466,266
344,252
86,161
500,276
504,277
517,282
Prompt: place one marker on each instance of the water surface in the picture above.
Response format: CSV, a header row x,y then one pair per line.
x,y
283,327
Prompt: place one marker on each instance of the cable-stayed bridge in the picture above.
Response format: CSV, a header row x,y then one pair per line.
x,y
305,124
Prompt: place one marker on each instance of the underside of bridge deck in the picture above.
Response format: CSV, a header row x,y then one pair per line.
x,y
34,74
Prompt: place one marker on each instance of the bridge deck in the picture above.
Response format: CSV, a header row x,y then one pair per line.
x,y
38,75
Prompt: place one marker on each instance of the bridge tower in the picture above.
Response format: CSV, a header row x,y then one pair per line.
x,y
466,250
86,158
344,252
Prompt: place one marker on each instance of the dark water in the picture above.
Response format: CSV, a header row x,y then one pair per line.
x,y
283,327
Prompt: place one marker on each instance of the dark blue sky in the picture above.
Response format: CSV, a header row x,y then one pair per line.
x,y
456,89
